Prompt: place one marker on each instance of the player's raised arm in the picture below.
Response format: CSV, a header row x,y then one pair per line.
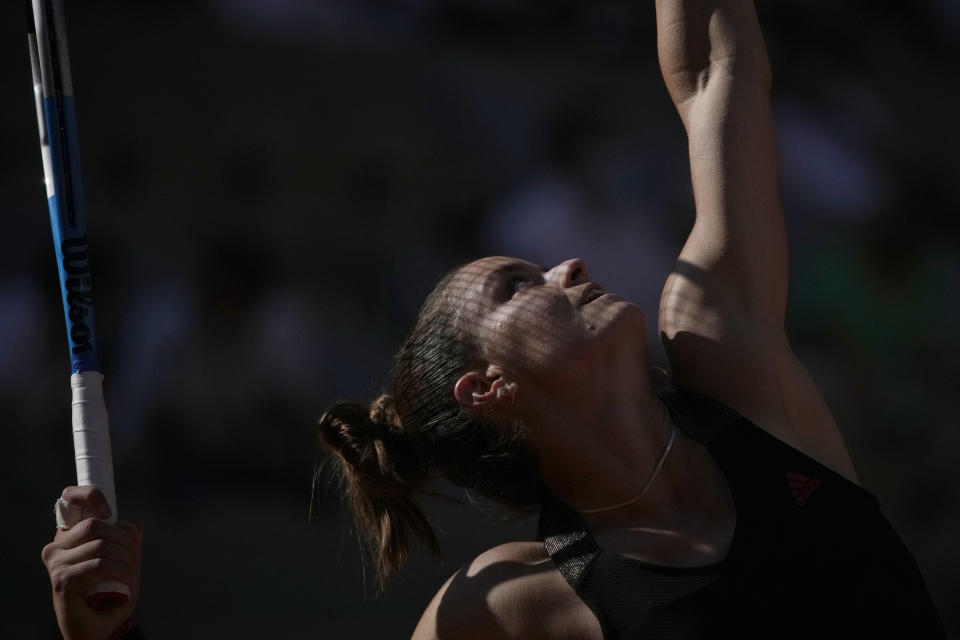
x,y
722,310
716,69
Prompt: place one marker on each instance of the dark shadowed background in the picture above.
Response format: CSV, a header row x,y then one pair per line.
x,y
274,185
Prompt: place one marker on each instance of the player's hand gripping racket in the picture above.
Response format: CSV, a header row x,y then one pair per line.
x,y
57,120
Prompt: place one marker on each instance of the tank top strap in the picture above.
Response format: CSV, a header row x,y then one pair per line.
x,y
566,539
698,416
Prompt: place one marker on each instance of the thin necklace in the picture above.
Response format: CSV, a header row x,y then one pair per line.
x,y
653,476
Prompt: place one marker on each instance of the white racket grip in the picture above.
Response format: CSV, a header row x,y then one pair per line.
x,y
91,448
91,437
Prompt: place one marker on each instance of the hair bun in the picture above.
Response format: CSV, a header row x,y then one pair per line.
x,y
372,442
345,427
381,469
383,413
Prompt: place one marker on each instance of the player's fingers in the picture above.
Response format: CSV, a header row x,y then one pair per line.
x,y
135,531
98,548
90,502
133,528
81,577
91,529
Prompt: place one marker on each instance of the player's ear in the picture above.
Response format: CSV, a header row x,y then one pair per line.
x,y
484,390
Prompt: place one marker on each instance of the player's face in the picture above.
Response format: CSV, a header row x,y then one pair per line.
x,y
543,322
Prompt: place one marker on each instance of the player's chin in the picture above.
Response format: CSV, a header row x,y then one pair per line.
x,y
616,308
612,315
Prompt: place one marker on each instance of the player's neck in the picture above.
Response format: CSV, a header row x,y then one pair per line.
x,y
603,451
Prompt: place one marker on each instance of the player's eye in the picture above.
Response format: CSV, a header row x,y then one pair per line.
x,y
518,282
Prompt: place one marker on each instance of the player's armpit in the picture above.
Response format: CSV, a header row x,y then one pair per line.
x,y
748,365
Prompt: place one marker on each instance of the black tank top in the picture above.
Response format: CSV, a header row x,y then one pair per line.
x,y
812,555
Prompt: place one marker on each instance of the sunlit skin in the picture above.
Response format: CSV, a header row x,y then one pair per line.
x,y
576,375
573,368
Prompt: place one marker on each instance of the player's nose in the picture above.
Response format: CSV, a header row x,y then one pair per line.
x,y
569,273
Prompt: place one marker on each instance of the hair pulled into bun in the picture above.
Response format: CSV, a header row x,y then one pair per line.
x,y
381,470
373,443
386,451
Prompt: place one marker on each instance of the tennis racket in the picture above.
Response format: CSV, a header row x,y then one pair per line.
x,y
59,146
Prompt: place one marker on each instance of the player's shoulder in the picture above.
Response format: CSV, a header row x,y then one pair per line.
x,y
510,591
524,553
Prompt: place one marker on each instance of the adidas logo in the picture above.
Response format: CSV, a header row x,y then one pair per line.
x,y
802,487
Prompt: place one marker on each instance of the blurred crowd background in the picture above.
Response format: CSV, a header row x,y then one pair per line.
x,y
274,186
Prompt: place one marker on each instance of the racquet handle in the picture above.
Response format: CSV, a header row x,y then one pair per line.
x,y
57,122
91,437
91,445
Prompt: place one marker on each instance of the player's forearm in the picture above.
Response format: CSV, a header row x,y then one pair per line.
x,y
715,66
740,235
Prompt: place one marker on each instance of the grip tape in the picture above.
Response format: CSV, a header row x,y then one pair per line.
x,y
91,436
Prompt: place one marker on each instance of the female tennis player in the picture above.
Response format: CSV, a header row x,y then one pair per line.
x,y
723,503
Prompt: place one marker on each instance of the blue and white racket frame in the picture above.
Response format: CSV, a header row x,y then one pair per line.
x,y
60,149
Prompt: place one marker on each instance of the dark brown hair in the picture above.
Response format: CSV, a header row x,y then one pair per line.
x,y
385,453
